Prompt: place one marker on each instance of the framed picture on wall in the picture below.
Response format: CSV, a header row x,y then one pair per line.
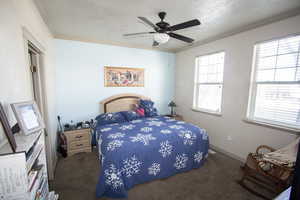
x,y
123,77
28,117
5,127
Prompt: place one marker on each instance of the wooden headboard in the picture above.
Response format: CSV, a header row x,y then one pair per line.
x,y
121,102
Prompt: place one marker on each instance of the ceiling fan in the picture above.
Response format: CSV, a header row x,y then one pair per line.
x,y
163,31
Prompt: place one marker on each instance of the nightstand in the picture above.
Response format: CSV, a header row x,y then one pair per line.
x,y
177,117
78,141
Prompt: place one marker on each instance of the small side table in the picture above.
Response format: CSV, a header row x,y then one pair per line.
x,y
78,141
176,117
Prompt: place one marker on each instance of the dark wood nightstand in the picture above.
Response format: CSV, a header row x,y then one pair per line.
x,y
177,117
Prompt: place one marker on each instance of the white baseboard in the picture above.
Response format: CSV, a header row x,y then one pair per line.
x,y
227,153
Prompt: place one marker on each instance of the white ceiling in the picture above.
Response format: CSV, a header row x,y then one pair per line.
x,y
105,21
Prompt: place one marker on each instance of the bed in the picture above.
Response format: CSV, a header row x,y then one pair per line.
x,y
145,149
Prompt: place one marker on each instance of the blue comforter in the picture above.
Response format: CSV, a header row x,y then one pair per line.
x,y
146,149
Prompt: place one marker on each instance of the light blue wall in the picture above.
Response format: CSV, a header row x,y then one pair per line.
x,y
80,83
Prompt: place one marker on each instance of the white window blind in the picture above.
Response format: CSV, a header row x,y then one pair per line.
x,y
275,95
209,82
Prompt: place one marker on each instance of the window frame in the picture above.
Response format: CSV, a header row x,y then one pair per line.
x,y
197,84
253,90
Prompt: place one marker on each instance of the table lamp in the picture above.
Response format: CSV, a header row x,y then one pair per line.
x,y
172,105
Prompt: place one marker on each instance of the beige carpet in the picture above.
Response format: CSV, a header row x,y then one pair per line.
x,y
76,178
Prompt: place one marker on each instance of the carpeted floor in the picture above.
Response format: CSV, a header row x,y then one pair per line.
x,y
76,178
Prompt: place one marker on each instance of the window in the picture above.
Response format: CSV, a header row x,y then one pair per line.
x,y
209,82
275,90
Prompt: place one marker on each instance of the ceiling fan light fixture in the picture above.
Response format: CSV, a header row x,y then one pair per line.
x,y
163,31
161,38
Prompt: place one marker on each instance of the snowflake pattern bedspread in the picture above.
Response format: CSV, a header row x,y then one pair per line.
x,y
146,149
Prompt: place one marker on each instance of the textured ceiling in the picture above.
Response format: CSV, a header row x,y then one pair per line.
x,y
105,21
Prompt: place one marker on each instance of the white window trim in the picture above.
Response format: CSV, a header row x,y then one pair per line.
x,y
252,94
196,96
272,125
206,111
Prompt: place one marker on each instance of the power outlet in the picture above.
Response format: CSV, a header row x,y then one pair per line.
x,y
229,138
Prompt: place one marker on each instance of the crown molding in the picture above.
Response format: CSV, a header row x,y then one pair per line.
x,y
103,42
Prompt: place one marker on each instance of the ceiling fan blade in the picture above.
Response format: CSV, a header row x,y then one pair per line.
x,y
194,22
141,33
155,44
181,37
144,19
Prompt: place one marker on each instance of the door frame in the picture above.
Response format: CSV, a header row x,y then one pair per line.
x,y
30,40
36,76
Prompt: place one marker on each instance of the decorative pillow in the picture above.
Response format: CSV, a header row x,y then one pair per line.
x,y
110,118
151,112
130,115
140,111
148,106
146,103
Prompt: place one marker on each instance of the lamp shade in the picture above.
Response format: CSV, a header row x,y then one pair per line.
x,y
172,104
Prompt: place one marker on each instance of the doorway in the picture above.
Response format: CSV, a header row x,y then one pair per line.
x,y
35,55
